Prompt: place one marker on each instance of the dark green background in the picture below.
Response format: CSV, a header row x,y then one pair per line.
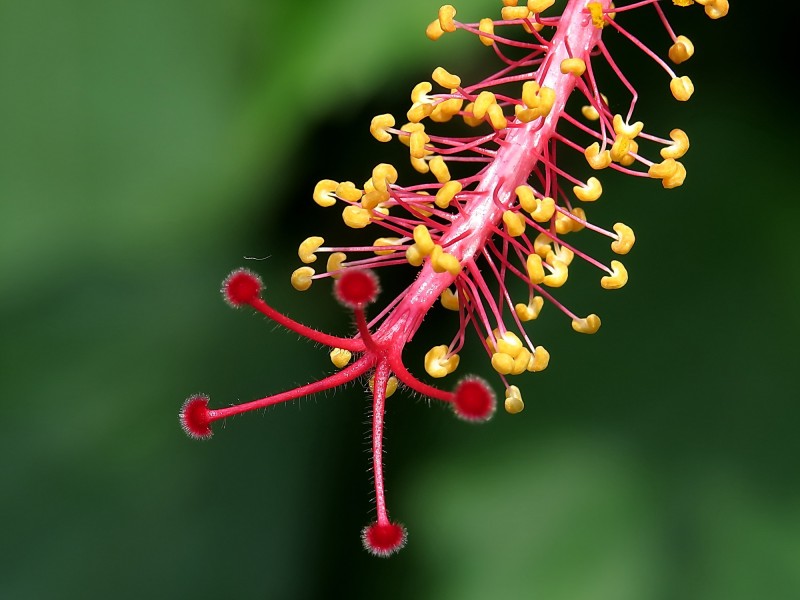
x,y
147,148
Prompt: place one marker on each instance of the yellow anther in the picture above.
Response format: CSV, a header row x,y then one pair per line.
x,y
558,275
391,385
372,198
486,26
623,128
539,360
388,242
715,9
423,240
561,253
509,343
526,199
596,10
543,212
578,218
510,2
449,299
446,193
439,169
542,244
469,116
521,361
666,168
590,191
535,268
496,117
573,66
588,324
301,278
597,159
417,142
414,256
531,310
513,13
383,175
530,94
347,190
340,357
590,112
679,146
620,148
442,261
438,361
434,30
537,6
547,96
323,192
446,110
355,217
676,179
419,110
564,224
446,14
308,247
335,261
419,93
502,363
682,88
482,103
628,158
618,277
625,239
682,50
514,222
410,128
420,165
683,2
379,125
513,403
445,79
526,115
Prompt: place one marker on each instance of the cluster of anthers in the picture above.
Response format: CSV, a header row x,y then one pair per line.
x,y
470,236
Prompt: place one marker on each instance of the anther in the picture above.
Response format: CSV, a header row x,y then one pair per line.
x,y
596,11
446,14
496,117
558,275
514,222
391,385
682,88
423,240
335,261
383,175
445,79
446,193
513,403
387,242
538,6
573,66
347,190
340,357
682,50
439,363
355,217
588,324
679,146
625,239
301,278
597,159
442,261
439,169
535,268
529,311
618,277
623,128
323,192
539,360
514,13
379,125
486,26
449,299
482,103
308,247
590,191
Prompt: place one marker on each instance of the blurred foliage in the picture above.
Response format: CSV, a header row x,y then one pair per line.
x,y
147,148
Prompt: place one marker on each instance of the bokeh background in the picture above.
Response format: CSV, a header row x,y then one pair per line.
x,y
147,148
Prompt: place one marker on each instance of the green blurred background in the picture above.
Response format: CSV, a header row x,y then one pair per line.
x,y
148,147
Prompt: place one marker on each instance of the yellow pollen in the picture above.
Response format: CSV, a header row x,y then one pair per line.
x,y
589,112
596,10
628,158
442,261
618,277
340,357
347,190
676,179
414,256
308,247
537,6
423,240
446,14
388,242
439,169
573,66
558,275
513,403
496,117
588,324
323,192
379,125
301,278
590,191
715,9
622,128
526,199
539,360
502,363
438,363
383,175
666,168
542,243
513,13
620,148
625,239
482,103
679,146
535,268
486,26
446,110
335,261
391,385
446,193
434,30
529,311
683,2
514,222
682,50
578,213
597,159
682,88
355,217
449,299
445,79
564,224
469,115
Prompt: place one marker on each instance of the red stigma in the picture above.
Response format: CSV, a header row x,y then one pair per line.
x,y
474,400
357,287
384,539
241,287
195,418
